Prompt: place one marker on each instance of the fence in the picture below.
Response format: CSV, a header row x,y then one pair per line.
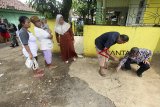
x,y
143,15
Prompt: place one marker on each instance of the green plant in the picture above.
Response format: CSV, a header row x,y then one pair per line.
x,y
50,8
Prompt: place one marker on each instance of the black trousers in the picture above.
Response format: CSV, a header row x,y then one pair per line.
x,y
143,66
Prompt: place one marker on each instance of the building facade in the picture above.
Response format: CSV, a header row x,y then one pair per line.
x,y
12,9
128,12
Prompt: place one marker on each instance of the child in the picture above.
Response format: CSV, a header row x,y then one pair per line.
x,y
45,25
139,56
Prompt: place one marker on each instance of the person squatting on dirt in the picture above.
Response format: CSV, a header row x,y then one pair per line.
x,y
103,43
138,56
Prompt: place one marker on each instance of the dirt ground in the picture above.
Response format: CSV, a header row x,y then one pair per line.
x,y
18,88
77,84
124,88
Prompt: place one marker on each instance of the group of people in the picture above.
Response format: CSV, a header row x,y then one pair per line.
x,y
8,33
136,55
64,37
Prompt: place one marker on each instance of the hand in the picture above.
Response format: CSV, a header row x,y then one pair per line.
x,y
146,62
118,68
50,31
31,56
116,59
50,37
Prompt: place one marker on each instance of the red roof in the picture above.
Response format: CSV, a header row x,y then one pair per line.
x,y
15,4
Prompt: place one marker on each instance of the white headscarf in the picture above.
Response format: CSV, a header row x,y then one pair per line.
x,y
61,29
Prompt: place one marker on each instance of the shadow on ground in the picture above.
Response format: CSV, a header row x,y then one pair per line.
x,y
56,89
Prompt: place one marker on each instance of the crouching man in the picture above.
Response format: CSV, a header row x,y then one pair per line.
x,y
139,56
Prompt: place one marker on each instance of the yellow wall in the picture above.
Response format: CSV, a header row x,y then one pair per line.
x,y
152,11
51,24
142,37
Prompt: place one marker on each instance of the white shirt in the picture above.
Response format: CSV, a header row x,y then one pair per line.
x,y
32,45
43,37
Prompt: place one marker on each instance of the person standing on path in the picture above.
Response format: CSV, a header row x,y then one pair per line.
x,y
45,40
103,43
28,41
65,39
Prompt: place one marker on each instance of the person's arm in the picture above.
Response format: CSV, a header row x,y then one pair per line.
x,y
51,36
122,63
57,38
47,34
148,54
72,34
113,56
107,46
29,51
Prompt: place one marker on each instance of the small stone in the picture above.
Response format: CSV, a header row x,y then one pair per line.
x,y
28,98
1,75
24,92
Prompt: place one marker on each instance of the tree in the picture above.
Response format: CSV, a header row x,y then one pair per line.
x,y
67,4
50,8
85,8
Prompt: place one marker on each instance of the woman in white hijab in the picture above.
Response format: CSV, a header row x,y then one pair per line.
x,y
65,39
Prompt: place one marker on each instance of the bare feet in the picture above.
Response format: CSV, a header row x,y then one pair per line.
x,y
39,73
66,62
52,67
74,59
